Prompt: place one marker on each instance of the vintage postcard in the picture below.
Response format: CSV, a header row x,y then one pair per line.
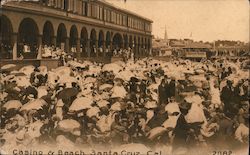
x,y
124,77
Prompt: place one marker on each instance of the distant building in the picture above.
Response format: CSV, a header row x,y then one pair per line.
x,y
81,24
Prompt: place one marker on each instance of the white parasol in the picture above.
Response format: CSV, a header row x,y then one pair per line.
x,y
22,81
80,104
112,67
125,75
33,105
155,132
151,104
172,107
27,70
42,91
116,106
93,111
12,104
102,103
43,69
105,86
8,67
68,125
62,71
118,92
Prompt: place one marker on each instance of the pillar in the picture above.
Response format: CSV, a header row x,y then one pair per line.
x,y
138,50
135,50
104,48
39,42
111,46
14,50
78,47
66,48
88,48
97,48
62,4
54,41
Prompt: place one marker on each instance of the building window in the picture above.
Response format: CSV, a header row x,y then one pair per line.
x,y
117,19
98,12
101,13
75,6
105,15
65,5
89,10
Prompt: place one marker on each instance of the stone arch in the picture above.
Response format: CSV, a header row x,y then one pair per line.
x,y
108,39
117,41
61,36
83,42
100,38
101,42
93,40
6,43
149,44
28,39
48,33
130,41
125,36
73,36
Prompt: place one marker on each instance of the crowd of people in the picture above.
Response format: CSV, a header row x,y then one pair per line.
x,y
56,52
178,104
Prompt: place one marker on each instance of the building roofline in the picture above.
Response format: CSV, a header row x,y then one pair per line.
x,y
124,10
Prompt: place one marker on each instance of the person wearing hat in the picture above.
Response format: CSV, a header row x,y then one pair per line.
x,y
182,129
118,130
162,93
228,98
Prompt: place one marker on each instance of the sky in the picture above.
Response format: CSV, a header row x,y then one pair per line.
x,y
205,20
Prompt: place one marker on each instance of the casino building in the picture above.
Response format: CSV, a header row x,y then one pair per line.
x,y
83,24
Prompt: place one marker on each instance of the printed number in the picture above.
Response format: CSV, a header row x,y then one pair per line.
x,y
222,152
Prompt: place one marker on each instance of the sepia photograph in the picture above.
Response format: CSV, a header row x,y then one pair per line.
x,y
124,77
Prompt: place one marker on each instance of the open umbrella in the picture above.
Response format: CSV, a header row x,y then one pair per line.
x,y
41,91
134,147
17,73
33,105
155,132
27,70
93,111
112,67
118,92
116,106
9,67
89,80
67,79
151,104
62,71
172,107
43,69
12,104
22,81
80,104
68,125
125,75
67,93
106,87
102,103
